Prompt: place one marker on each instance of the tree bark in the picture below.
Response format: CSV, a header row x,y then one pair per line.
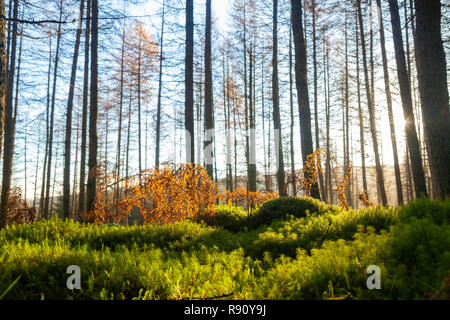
x,y
158,107
291,105
93,110
432,78
52,120
3,71
67,144
276,104
302,86
9,126
378,167
82,195
398,180
209,125
405,92
316,112
189,82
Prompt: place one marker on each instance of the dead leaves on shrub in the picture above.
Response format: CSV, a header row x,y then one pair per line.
x,y
161,196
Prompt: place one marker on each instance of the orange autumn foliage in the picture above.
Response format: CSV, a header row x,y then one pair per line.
x,y
342,198
309,174
161,196
365,199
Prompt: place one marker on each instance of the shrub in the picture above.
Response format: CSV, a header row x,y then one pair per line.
x,y
161,195
295,206
229,217
420,249
243,196
17,209
436,210
286,236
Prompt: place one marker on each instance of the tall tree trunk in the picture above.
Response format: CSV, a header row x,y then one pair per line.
x,y
378,167
189,83
276,104
139,104
398,180
405,92
291,105
127,150
82,208
52,120
432,78
226,109
252,145
51,210
47,132
209,125
119,129
347,119
316,112
16,107
302,86
75,173
36,170
360,116
67,144
327,190
9,126
3,71
93,110
158,107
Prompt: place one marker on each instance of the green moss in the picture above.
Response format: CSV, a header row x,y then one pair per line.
x,y
297,248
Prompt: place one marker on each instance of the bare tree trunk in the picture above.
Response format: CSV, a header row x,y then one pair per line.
x,y
51,211
93,110
52,120
433,87
252,145
82,208
209,124
37,167
405,92
47,132
291,105
158,108
127,151
3,71
276,104
302,86
327,190
398,180
67,145
139,104
9,126
360,115
189,82
119,129
379,169
347,120
16,107
75,173
316,112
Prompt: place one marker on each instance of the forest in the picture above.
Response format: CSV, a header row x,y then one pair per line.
x,y
242,149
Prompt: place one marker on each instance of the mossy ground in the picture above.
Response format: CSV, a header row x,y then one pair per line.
x,y
287,249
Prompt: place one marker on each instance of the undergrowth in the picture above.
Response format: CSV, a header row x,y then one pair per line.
x,y
318,252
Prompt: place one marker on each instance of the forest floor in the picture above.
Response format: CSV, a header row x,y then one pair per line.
x,y
295,248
